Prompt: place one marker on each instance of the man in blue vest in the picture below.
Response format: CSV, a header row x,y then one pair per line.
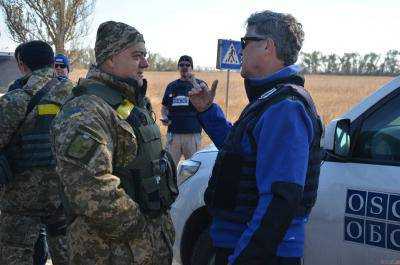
x,y
265,178
184,130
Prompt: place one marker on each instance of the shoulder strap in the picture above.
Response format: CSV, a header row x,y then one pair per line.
x,y
34,101
112,97
282,92
40,94
109,95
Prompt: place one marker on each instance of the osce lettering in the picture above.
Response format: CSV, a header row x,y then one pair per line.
x,y
372,218
180,101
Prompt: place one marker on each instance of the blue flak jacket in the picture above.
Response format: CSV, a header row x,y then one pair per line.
x,y
182,113
283,135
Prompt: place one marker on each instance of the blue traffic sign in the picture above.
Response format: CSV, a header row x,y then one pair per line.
x,y
229,55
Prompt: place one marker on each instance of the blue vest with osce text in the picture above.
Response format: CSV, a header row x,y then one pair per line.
x,y
182,114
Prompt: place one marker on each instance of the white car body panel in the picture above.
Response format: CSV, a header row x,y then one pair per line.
x,y
326,229
191,194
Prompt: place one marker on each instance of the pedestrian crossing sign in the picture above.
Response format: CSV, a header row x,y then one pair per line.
x,y
229,54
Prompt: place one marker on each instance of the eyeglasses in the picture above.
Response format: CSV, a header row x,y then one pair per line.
x,y
60,66
244,40
185,64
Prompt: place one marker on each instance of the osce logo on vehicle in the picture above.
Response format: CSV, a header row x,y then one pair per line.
x,y
373,218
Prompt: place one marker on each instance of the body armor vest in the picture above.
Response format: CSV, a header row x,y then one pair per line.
x,y
32,148
150,179
232,193
182,105
182,114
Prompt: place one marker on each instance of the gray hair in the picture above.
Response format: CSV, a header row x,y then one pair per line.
x,y
286,32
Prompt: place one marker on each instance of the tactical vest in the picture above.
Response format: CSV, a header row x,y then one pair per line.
x,y
182,114
150,179
232,193
32,148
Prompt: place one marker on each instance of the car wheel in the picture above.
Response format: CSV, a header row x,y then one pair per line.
x,y
203,251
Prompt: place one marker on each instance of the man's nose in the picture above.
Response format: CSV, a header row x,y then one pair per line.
x,y
144,63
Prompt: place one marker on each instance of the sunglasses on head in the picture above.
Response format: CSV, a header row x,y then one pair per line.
x,y
244,41
184,64
57,65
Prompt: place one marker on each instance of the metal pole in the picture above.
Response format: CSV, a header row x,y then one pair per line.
x,y
227,94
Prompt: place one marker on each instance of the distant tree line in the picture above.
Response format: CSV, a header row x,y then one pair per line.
x,y
159,63
313,62
352,63
83,58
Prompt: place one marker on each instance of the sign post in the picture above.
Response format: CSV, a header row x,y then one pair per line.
x,y
229,57
227,93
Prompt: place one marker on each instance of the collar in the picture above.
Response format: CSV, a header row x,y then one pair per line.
x,y
256,87
30,81
282,73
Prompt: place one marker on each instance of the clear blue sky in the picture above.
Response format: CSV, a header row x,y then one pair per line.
x,y
176,27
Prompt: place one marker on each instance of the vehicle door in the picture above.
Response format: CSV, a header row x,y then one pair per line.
x,y
357,216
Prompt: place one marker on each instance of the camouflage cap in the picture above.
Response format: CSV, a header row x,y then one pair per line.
x,y
112,38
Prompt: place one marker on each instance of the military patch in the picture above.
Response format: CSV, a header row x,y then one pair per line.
x,y
84,144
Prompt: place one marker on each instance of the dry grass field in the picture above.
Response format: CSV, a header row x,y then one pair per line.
x,y
333,94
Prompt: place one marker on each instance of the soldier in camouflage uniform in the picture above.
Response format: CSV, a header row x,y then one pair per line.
x,y
29,185
117,181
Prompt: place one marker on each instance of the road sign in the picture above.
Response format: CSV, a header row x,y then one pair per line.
x,y
229,55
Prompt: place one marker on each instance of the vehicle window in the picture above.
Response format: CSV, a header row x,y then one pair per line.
x,y
379,136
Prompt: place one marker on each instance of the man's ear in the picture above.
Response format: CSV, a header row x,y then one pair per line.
x,y
270,45
23,68
108,65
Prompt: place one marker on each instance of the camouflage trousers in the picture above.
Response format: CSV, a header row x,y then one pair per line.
x,y
151,247
18,235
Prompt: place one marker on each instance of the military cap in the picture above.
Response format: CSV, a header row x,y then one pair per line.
x,y
112,38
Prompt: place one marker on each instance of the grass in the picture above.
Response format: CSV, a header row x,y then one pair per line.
x,y
333,95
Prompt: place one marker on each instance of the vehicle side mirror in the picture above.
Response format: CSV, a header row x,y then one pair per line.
x,y
341,138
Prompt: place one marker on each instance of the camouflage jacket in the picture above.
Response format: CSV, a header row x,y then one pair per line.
x,y
33,191
89,141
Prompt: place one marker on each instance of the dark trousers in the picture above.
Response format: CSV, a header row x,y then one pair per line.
x,y
222,254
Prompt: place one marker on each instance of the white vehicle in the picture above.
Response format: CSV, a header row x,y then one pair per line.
x,y
356,220
8,69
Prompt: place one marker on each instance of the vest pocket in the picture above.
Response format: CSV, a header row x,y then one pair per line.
x,y
167,170
35,150
149,133
151,192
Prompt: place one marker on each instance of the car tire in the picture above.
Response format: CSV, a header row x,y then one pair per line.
x,y
203,251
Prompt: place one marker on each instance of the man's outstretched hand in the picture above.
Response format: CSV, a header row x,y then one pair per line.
x,y
201,96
